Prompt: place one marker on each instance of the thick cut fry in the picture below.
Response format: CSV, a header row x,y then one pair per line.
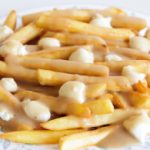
x,y
119,101
79,39
117,43
141,87
114,83
26,33
103,105
11,20
72,122
32,48
139,100
57,53
74,14
64,66
8,98
140,65
84,15
132,53
18,72
133,23
63,24
38,136
56,104
85,139
95,90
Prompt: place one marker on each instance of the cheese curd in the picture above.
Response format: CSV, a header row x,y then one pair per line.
x,y
101,21
36,110
9,84
12,47
49,42
5,113
140,43
82,55
74,90
133,76
5,32
138,126
113,57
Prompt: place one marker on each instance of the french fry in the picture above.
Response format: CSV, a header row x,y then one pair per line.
x,y
102,105
117,43
72,122
63,24
114,83
140,65
74,14
64,66
11,20
139,100
32,137
133,23
132,53
78,39
56,104
84,15
119,101
141,87
57,53
26,33
95,90
84,139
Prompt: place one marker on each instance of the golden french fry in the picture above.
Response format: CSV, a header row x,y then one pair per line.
x,y
119,101
117,43
132,53
11,20
140,65
64,24
57,53
133,23
141,87
64,66
78,39
74,14
56,104
95,90
72,122
139,100
26,33
85,139
32,137
102,105
114,83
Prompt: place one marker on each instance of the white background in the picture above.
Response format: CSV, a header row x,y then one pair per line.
x,y
142,6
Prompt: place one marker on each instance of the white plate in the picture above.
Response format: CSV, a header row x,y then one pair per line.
x,y
7,145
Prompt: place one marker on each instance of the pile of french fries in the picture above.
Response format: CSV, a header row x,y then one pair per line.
x,y
110,96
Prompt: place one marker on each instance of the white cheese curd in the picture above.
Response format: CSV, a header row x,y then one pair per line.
x,y
113,57
12,47
36,110
138,126
5,32
140,43
133,76
5,113
49,42
82,55
101,21
74,90
9,84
